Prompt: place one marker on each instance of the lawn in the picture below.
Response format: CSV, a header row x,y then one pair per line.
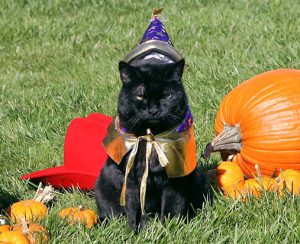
x,y
59,60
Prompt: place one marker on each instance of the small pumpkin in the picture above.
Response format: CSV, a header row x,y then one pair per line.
x,y
35,233
4,224
253,187
257,186
4,228
269,184
259,121
13,237
229,176
290,179
88,217
34,209
237,192
31,210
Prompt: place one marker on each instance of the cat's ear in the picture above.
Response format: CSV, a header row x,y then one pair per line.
x,y
127,72
175,71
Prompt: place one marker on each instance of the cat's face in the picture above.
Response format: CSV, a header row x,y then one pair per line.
x,y
152,96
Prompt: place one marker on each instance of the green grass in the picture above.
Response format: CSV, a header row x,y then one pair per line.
x,y
59,59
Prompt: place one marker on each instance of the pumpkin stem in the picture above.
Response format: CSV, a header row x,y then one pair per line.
x,y
24,226
156,12
279,181
44,195
229,141
259,174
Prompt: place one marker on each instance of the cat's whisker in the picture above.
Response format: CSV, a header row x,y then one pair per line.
x,y
172,118
132,122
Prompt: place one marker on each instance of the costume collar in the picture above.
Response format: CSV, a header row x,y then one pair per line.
x,y
176,150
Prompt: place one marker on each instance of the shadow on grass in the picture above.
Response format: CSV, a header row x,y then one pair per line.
x,y
6,199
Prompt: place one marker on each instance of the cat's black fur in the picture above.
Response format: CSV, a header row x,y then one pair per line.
x,y
152,97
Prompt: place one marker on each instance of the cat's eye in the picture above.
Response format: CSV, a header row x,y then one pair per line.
x,y
140,98
169,96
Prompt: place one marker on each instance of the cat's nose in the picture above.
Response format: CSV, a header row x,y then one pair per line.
x,y
153,111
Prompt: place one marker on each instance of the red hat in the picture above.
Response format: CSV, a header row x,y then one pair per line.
x,y
84,155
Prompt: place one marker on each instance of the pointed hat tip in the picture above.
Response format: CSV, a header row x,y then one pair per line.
x,y
156,12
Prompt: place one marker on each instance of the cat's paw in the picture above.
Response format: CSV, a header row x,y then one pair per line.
x,y
132,224
143,222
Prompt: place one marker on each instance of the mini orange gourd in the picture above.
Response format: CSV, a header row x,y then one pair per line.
x,y
4,224
33,209
4,228
88,217
252,187
237,192
269,184
258,122
35,233
290,179
13,237
30,209
257,186
229,176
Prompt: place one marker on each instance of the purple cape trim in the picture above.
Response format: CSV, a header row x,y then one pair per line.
x,y
187,122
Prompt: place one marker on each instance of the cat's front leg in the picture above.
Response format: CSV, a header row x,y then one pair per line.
x,y
173,204
132,207
108,189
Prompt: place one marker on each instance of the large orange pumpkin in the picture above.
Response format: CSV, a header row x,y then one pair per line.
x,y
258,122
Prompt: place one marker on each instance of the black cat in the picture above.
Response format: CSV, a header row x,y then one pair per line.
x,y
152,97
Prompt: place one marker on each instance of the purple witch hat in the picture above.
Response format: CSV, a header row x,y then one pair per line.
x,y
156,29
155,39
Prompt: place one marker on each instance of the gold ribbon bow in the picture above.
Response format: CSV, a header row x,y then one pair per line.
x,y
162,160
